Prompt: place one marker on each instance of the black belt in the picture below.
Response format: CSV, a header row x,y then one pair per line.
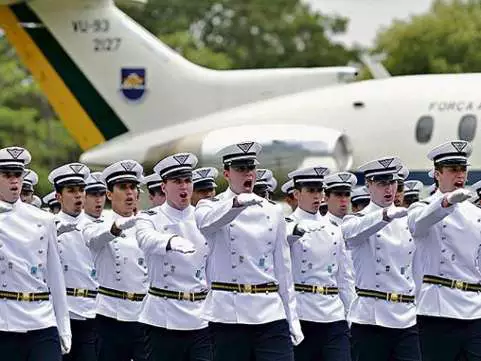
x,y
323,290
81,292
446,282
387,296
131,296
25,296
177,295
245,288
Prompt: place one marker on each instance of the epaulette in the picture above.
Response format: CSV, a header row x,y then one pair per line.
x,y
149,212
98,221
358,214
213,199
289,219
334,223
424,202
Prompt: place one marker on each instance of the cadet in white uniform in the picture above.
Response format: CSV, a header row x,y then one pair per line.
x,y
33,303
203,180
447,231
77,263
121,268
52,202
308,192
95,196
288,189
178,281
360,198
261,186
384,314
323,278
30,179
338,188
251,305
154,187
403,174
412,191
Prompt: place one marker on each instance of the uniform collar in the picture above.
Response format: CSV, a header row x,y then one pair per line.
x,y
68,218
176,213
302,214
335,219
90,218
11,206
371,207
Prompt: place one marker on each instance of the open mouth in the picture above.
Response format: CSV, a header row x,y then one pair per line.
x,y
316,203
459,184
388,198
248,184
14,189
183,195
78,203
129,201
98,208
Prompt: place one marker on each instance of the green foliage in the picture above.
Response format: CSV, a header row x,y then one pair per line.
x,y
445,40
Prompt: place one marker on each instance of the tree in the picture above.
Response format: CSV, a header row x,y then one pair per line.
x,y
447,39
27,120
246,33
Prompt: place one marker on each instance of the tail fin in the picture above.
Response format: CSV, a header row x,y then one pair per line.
x,y
375,66
105,75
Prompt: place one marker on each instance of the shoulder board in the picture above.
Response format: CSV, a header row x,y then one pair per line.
x,y
358,214
424,202
98,221
271,202
334,223
289,219
149,212
213,199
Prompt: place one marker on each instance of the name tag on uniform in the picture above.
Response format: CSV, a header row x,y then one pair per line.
x,y
33,270
329,269
10,265
93,273
403,270
65,268
262,262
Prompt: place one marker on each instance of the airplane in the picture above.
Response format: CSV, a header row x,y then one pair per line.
x,y
334,122
107,76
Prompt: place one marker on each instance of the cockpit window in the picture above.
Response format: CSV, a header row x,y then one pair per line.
x,y
467,127
424,129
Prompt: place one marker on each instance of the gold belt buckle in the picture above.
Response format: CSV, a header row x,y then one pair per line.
x,y
394,297
25,296
81,292
459,285
320,289
130,296
186,296
247,288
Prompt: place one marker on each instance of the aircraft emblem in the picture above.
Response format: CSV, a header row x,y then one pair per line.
x,y
133,83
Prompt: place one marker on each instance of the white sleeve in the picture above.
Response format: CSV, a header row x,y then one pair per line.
x,y
283,271
212,215
97,235
150,240
358,229
56,283
345,277
422,216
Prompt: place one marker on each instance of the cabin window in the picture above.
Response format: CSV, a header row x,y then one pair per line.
x,y
467,127
424,129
